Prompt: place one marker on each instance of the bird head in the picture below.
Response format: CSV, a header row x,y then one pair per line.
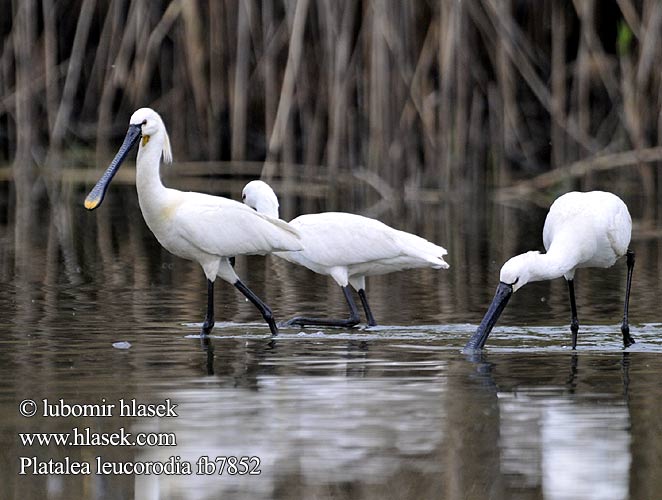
x,y
515,273
145,125
517,270
151,125
260,197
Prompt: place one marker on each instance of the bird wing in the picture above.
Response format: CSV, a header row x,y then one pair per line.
x,y
341,239
581,215
588,229
619,226
224,227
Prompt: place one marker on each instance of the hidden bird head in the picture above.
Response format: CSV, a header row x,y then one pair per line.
x,y
145,125
259,196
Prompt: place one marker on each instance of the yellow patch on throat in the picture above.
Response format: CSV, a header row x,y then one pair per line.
x,y
166,213
145,140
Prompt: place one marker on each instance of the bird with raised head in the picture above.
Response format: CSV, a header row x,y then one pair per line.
x,y
207,229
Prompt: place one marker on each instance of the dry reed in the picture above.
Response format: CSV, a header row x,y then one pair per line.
x,y
445,95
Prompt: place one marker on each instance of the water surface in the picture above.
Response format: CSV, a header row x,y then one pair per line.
x,y
93,309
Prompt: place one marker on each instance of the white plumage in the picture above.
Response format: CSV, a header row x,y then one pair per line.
x,y
348,248
581,230
200,227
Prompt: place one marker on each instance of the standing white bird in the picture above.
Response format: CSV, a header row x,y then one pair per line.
x,y
199,227
581,230
348,248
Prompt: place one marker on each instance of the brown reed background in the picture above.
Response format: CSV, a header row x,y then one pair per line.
x,y
426,94
414,96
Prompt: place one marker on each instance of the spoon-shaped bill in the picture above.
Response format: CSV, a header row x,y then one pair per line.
x,y
94,199
499,302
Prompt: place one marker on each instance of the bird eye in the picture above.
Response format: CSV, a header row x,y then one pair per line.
x,y
144,122
515,282
243,196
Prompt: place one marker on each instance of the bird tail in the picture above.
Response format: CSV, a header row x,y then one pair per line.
x,y
287,237
425,250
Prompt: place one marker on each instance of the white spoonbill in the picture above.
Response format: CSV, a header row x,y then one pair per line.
x,y
581,230
348,248
206,229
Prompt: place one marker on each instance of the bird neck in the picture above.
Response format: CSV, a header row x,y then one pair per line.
x,y
148,177
551,265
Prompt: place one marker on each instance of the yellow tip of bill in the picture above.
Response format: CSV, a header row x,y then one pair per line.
x,y
91,204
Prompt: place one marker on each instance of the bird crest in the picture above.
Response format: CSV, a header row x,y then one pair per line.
x,y
167,149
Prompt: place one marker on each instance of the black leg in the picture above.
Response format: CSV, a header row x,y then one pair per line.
x,y
625,327
209,318
574,322
349,322
261,306
366,308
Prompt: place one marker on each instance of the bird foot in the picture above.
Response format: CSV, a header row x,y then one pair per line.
x,y
292,322
206,329
627,339
303,321
273,327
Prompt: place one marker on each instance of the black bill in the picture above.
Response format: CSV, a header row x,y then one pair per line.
x,y
94,199
501,297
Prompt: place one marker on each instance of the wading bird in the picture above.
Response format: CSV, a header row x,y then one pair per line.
x,y
199,227
581,230
348,248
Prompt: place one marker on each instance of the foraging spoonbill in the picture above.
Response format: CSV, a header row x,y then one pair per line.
x,y
581,230
348,248
199,227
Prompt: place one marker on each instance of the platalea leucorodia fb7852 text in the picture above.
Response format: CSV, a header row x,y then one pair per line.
x,y
199,227
581,230
348,248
